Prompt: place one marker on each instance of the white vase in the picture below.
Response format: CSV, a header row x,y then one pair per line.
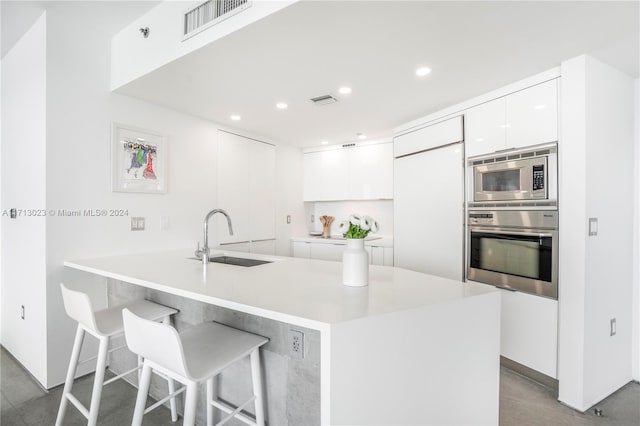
x,y
355,263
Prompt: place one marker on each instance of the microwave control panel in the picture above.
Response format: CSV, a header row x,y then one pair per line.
x,y
538,177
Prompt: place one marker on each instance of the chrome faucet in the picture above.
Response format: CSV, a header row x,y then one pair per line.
x,y
203,253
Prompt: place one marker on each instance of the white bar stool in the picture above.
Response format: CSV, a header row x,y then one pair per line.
x,y
196,355
103,325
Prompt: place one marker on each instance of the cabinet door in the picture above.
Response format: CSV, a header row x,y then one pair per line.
x,y
370,174
322,251
532,115
325,175
529,331
301,249
376,256
438,134
262,205
263,247
233,188
485,128
428,212
243,247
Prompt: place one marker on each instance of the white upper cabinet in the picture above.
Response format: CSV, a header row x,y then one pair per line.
x,y
524,118
370,172
246,189
362,172
485,127
532,115
325,175
432,136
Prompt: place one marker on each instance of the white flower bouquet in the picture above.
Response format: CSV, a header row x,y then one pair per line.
x,y
358,226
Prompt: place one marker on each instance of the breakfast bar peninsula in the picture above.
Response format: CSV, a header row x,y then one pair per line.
x,y
409,348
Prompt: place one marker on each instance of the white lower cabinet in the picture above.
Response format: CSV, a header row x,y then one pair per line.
x,y
378,255
263,247
326,251
529,334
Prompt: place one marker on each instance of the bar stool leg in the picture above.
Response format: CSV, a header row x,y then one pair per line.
x,y
190,402
141,399
209,398
256,378
172,386
71,372
98,381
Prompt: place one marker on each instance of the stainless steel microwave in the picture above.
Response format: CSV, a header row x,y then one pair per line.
x,y
518,177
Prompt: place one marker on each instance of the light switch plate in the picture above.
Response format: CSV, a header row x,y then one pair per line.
x,y
593,226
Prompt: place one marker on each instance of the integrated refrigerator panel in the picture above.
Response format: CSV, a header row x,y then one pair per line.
x,y
429,212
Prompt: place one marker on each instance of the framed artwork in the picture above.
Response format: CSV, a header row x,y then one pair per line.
x,y
138,160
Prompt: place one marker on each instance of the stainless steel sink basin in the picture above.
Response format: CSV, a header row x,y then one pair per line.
x,y
238,261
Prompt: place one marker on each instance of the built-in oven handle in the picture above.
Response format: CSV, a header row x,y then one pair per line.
x,y
523,233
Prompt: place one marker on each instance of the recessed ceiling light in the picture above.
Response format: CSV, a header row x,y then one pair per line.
x,y
422,71
235,117
345,90
540,106
281,105
361,135
325,142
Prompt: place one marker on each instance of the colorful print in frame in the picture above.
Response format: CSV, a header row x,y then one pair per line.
x,y
138,160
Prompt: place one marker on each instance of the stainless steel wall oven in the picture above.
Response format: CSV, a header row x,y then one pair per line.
x,y
514,249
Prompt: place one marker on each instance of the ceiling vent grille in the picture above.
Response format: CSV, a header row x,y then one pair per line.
x,y
210,13
324,100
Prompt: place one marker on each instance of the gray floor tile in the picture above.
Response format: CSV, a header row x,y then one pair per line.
x,y
11,417
522,403
23,388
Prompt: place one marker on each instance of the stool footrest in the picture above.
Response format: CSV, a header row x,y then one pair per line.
x,y
119,376
234,411
83,410
165,399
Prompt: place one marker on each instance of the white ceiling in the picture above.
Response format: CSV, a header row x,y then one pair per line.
x,y
313,47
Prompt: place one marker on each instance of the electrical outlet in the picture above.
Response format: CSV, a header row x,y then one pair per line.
x,y
288,218
313,218
296,344
613,327
22,312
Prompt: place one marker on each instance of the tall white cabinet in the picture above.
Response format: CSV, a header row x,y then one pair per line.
x,y
246,190
429,199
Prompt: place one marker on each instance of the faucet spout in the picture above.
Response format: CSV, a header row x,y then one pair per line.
x,y
204,252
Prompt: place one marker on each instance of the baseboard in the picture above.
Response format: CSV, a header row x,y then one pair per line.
x,y
530,373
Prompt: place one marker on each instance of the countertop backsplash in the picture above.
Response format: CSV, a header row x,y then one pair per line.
x,y
380,210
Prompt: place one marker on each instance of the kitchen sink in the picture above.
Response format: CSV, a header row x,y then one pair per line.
x,y
238,261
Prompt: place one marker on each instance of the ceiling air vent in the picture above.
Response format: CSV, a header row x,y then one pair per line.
x,y
210,13
324,100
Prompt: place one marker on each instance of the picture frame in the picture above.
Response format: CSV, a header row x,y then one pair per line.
x,y
138,160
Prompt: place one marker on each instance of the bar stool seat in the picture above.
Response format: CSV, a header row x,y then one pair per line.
x,y
194,356
103,324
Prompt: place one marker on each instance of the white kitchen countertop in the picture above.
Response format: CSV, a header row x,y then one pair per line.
x,y
304,292
338,239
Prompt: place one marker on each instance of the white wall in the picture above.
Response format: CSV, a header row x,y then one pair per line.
x,y
596,180
134,56
23,170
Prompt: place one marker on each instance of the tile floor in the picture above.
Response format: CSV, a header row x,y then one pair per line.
x,y
522,403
